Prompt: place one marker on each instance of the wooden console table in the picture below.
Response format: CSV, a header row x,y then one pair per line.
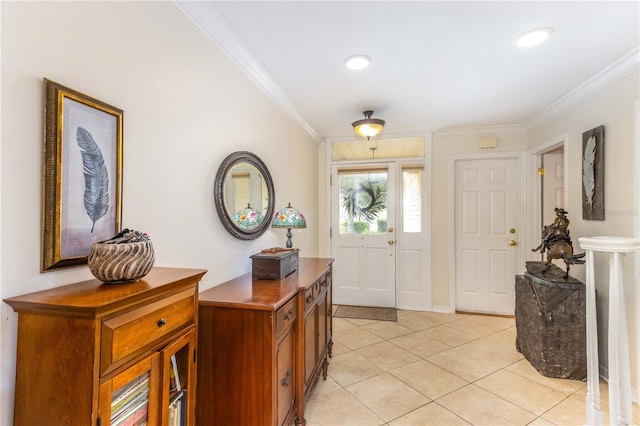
x,y
262,346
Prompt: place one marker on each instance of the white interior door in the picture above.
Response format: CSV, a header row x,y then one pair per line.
x,y
486,234
363,235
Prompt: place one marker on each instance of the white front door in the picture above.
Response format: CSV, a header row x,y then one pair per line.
x,y
363,235
486,234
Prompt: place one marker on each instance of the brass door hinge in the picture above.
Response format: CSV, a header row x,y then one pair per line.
x,y
541,170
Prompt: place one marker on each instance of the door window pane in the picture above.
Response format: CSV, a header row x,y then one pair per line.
x,y
412,200
363,202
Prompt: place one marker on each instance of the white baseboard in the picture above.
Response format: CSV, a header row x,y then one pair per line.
x,y
442,309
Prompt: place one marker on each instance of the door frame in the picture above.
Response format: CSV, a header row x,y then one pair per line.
x,y
534,187
325,203
520,157
635,391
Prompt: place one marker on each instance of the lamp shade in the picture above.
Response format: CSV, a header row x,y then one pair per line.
x,y
289,217
248,218
368,127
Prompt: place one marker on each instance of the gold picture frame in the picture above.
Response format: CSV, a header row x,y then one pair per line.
x,y
82,175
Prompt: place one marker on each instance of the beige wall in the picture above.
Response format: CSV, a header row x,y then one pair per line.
x,y
447,146
186,107
615,108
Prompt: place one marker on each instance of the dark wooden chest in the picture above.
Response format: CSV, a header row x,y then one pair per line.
x,y
274,266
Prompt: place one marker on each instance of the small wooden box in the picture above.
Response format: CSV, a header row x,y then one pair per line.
x,y
274,266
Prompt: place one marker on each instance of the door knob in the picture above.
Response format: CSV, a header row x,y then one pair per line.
x,y
390,229
513,243
390,242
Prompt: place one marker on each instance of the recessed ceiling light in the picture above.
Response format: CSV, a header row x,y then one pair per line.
x,y
533,37
358,62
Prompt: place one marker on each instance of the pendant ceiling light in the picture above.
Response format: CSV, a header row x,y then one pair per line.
x,y
368,127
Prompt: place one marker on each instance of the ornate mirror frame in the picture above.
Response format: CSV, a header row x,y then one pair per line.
x,y
232,160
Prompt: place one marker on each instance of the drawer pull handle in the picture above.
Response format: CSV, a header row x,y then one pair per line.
x,y
287,379
288,315
161,322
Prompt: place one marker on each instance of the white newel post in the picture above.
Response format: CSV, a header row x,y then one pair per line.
x,y
618,341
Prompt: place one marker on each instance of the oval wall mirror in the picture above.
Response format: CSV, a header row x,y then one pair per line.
x,y
244,195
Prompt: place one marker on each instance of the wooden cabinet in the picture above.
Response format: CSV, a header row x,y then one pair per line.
x,y
89,353
317,309
252,350
247,363
285,373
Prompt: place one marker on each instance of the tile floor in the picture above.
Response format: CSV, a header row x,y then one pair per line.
x,y
439,369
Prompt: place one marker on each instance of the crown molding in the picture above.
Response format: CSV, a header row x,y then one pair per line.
x,y
616,71
208,20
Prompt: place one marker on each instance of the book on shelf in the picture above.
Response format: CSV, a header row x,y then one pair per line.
x,y
177,409
130,388
129,394
174,376
134,414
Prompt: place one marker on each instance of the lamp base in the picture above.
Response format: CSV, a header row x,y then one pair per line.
x,y
289,235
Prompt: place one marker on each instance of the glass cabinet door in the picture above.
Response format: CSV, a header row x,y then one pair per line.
x,y
178,381
130,398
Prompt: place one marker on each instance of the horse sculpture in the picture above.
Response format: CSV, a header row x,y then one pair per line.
x,y
557,243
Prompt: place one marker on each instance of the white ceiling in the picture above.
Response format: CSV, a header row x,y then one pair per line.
x,y
436,65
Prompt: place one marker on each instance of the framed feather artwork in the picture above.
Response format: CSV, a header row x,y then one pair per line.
x,y
82,175
593,174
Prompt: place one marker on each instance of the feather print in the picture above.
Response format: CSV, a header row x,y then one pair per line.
x,y
96,177
588,170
